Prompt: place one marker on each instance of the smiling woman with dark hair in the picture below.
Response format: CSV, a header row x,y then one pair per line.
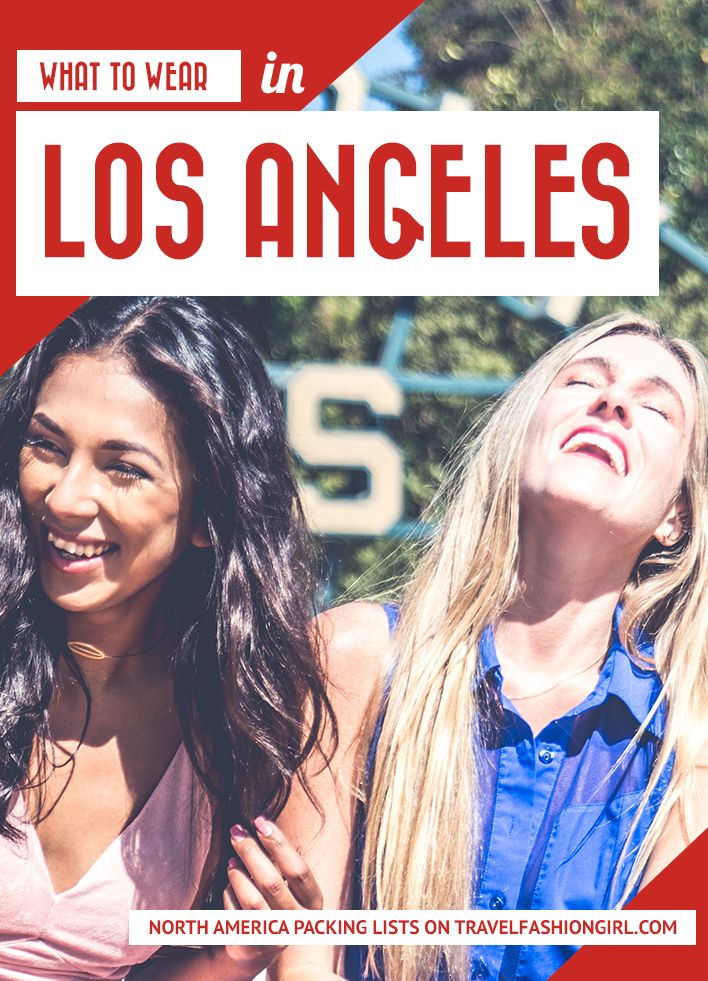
x,y
155,660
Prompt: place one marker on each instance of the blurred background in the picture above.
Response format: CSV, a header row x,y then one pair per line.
x,y
379,391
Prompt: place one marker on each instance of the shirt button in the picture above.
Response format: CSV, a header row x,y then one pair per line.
x,y
545,756
498,901
479,971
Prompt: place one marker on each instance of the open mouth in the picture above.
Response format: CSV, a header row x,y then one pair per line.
x,y
600,446
72,551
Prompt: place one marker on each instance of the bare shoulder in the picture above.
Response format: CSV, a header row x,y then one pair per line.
x,y
685,821
702,757
698,813
354,639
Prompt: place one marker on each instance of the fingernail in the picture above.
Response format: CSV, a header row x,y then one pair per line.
x,y
264,827
232,863
238,833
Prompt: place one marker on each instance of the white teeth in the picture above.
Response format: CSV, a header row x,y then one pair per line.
x,y
604,443
73,548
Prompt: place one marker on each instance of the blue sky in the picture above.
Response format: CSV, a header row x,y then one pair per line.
x,y
392,53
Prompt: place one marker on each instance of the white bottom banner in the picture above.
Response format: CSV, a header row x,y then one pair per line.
x,y
473,927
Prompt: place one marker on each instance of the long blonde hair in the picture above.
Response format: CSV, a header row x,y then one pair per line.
x,y
423,834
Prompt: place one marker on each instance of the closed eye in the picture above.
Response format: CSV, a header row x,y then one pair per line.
x,y
657,409
42,443
128,471
581,381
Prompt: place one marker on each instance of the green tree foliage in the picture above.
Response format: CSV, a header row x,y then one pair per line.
x,y
461,336
590,55
510,54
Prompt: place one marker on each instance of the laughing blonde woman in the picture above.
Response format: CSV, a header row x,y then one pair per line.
x,y
533,734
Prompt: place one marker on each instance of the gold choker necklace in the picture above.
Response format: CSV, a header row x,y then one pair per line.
x,y
96,654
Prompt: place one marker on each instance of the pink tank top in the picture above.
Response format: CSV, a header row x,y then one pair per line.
x,y
81,934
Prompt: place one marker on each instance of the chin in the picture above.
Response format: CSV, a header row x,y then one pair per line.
x,y
583,482
75,604
79,600
571,496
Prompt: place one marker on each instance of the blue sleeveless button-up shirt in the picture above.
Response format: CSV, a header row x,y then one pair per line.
x,y
555,810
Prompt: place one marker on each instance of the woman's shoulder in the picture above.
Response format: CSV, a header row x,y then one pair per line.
x,y
687,819
355,639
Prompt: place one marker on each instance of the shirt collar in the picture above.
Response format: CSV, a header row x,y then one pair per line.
x,y
637,686
488,652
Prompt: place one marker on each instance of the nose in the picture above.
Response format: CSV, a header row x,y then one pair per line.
x,y
73,497
613,402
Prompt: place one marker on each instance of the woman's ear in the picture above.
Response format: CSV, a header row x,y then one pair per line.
x,y
672,528
200,536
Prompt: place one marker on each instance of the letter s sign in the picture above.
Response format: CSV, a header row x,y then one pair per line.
x,y
378,511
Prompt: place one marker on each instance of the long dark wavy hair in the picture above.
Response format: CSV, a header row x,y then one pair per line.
x,y
248,689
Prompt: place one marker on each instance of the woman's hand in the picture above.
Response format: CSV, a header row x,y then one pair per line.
x,y
266,873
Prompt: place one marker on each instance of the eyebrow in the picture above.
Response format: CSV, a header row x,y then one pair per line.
x,y
117,445
653,381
